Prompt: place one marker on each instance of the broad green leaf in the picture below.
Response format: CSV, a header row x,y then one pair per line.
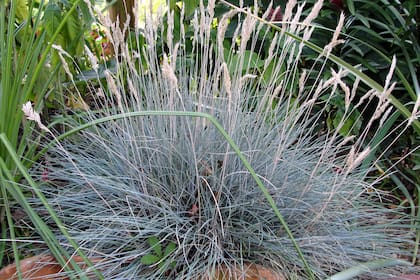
x,y
150,259
350,6
190,6
22,11
155,245
52,18
169,249
84,9
351,125
268,73
250,60
74,29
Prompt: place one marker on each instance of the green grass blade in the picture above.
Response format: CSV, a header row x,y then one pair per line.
x,y
355,271
3,237
11,227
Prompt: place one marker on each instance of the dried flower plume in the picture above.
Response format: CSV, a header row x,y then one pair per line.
x,y
32,115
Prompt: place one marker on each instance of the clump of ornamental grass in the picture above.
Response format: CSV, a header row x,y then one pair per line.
x,y
148,182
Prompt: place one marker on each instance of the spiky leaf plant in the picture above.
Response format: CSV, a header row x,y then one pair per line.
x,y
119,181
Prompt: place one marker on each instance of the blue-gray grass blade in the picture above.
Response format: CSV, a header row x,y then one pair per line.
x,y
228,139
58,251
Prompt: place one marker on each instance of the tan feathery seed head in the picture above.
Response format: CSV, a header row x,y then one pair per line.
x,y
355,159
169,74
335,41
415,114
247,29
31,114
61,54
114,89
313,14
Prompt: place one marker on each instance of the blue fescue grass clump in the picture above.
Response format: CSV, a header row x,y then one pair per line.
x,y
121,183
